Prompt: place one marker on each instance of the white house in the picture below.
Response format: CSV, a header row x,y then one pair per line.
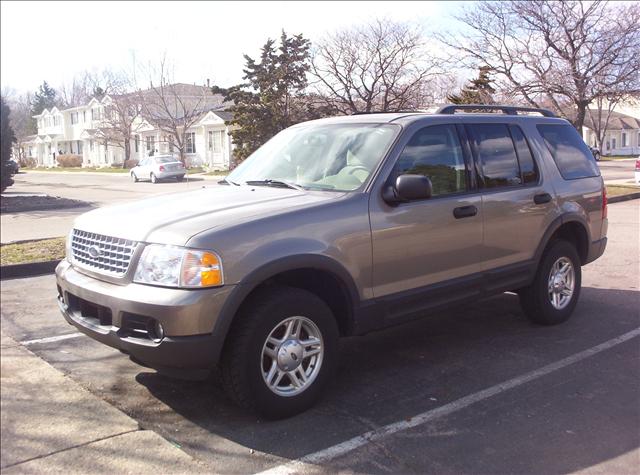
x,y
623,130
75,131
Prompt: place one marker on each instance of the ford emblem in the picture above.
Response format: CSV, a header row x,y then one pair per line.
x,y
94,251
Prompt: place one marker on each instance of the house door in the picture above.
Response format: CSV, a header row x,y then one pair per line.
x,y
216,139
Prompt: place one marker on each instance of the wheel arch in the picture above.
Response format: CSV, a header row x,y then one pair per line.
x,y
318,274
570,227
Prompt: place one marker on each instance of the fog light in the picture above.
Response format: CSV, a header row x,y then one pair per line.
x,y
156,331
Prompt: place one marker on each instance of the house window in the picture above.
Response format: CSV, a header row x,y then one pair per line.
x,y
150,143
95,114
91,145
624,139
613,142
79,147
190,142
74,118
56,120
30,151
84,116
137,142
170,139
210,141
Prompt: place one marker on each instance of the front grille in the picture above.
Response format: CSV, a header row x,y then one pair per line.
x,y
103,254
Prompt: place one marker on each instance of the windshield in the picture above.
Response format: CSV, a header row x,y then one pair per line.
x,y
336,157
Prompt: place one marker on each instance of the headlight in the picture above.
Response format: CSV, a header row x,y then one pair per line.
x,y
178,267
68,251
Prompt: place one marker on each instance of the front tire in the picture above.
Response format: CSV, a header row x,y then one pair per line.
x,y
134,177
280,353
555,290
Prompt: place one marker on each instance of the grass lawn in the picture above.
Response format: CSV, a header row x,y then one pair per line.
x,y
618,190
32,251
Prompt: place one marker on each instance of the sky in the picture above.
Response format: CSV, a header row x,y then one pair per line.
x,y
54,41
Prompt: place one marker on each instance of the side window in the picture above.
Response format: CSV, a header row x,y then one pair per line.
x,y
573,158
496,154
528,166
436,153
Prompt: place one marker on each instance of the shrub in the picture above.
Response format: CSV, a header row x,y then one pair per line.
x,y
68,161
28,162
130,163
7,137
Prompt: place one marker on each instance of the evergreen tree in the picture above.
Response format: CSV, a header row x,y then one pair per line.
x,y
45,98
478,91
271,98
7,138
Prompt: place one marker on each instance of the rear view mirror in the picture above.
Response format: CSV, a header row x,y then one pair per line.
x,y
408,188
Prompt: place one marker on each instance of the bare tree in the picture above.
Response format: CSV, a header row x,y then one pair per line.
x,y
174,107
77,92
381,66
562,55
122,117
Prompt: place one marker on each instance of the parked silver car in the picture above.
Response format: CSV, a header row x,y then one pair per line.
x,y
160,167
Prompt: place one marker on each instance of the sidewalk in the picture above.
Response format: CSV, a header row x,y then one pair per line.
x,y
52,425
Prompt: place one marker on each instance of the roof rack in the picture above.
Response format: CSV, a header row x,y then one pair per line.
x,y
388,112
510,110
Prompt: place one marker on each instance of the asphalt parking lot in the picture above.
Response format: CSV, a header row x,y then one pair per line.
x,y
476,389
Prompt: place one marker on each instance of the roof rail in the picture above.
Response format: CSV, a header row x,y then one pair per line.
x,y
510,110
388,112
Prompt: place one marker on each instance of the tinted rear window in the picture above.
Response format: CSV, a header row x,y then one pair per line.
x,y
497,154
165,160
573,158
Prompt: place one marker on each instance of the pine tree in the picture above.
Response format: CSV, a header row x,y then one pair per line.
x,y
270,99
478,91
45,98
7,138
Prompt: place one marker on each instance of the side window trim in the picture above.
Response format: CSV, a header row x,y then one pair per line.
x,y
467,158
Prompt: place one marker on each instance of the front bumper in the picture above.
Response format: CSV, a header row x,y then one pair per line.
x,y
110,314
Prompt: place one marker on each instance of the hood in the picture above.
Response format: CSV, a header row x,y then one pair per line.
x,y
174,218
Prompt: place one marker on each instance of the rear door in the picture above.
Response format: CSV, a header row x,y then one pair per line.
x,y
432,244
517,204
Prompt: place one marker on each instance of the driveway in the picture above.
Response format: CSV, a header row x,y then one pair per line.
x,y
476,389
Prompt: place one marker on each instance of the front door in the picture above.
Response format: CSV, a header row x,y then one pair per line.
x,y
428,246
216,143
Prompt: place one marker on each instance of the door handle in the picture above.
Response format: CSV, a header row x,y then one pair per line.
x,y
465,211
542,198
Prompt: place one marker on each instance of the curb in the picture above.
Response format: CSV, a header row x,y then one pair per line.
x,y
32,269
617,199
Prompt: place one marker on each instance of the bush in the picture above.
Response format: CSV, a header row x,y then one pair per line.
x,y
28,162
7,137
130,163
68,161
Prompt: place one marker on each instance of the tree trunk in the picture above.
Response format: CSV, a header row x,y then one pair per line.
x,y
127,151
580,115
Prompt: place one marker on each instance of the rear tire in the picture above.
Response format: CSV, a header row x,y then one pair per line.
x,y
153,178
180,178
553,295
250,356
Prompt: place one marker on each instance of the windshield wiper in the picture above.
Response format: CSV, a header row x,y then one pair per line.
x,y
278,183
228,182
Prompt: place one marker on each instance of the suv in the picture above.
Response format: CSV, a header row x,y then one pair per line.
x,y
338,227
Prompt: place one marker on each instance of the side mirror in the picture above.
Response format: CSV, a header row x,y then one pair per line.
x,y
408,188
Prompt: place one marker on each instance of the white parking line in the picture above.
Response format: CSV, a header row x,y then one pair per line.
x,y
51,338
306,463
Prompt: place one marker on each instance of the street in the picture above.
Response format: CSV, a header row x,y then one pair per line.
x,y
617,169
97,189
474,389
